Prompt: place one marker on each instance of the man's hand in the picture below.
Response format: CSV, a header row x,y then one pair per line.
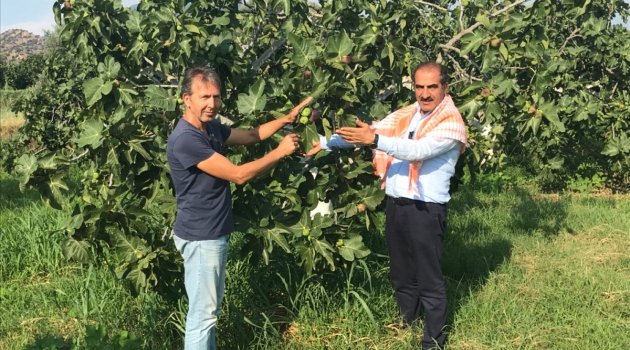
x,y
288,145
361,135
316,148
295,112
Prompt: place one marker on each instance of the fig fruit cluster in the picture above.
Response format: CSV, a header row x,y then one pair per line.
x,y
308,115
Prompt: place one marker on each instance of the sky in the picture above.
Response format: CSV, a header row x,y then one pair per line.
x,y
36,16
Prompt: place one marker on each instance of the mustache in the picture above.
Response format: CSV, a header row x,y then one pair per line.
x,y
428,99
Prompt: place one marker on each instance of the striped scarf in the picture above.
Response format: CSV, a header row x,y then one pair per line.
x,y
443,122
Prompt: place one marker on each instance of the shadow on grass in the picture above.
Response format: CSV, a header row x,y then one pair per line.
x,y
479,243
49,342
472,249
12,198
544,214
97,337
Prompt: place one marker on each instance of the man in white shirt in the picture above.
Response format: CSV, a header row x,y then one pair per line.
x,y
416,150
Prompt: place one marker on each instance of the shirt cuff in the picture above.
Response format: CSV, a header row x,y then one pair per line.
x,y
323,142
385,143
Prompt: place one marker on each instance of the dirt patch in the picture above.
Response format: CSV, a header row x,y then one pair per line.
x,y
9,125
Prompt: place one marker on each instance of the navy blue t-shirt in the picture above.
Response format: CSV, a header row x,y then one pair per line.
x,y
204,202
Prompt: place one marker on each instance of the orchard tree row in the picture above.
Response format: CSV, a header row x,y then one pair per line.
x,y
21,74
541,84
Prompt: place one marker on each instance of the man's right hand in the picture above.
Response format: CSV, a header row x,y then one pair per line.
x,y
288,145
313,151
292,116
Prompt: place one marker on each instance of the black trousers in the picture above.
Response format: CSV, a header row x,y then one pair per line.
x,y
415,235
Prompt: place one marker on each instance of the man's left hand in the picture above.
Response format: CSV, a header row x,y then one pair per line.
x,y
295,112
361,135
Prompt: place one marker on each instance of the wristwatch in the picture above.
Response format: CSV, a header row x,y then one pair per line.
x,y
375,142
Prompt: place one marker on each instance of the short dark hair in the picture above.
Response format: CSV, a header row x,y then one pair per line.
x,y
444,79
207,74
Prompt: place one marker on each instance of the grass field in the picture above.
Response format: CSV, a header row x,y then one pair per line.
x,y
524,271
10,122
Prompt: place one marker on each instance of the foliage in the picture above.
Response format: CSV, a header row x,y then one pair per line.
x,y
53,104
22,74
3,70
533,80
551,96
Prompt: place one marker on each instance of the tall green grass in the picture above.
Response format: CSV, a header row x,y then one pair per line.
x,y
47,302
523,270
10,121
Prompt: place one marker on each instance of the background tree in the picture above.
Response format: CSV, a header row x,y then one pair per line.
x,y
24,73
3,69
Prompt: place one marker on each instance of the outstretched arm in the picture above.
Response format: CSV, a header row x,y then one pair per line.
x,y
264,131
403,149
219,166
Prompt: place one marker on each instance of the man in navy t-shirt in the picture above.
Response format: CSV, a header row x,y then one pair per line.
x,y
201,175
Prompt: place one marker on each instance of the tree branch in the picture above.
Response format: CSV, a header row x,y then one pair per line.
x,y
571,36
461,16
461,70
494,14
470,29
80,155
432,5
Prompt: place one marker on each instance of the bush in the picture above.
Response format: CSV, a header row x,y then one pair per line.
x,y
24,73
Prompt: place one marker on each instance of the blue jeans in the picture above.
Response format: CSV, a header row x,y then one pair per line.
x,y
204,268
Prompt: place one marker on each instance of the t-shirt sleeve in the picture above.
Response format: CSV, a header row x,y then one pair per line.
x,y
225,132
190,149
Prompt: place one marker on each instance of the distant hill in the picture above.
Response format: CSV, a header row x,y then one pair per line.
x,y
17,44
